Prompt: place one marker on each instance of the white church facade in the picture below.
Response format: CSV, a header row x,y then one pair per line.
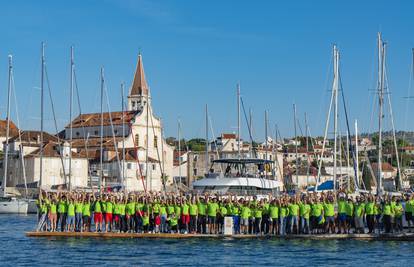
x,y
148,159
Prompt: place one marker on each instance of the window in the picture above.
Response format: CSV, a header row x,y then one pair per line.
x,y
96,132
145,141
155,141
154,167
129,166
133,104
195,157
136,140
115,131
194,172
77,133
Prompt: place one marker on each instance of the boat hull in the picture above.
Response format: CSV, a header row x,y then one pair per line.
x,y
15,206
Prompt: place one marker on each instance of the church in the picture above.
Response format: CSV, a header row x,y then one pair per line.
x,y
134,150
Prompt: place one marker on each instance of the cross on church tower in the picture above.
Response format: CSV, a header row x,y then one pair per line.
x,y
139,93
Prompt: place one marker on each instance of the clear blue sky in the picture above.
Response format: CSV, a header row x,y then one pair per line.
x,y
196,51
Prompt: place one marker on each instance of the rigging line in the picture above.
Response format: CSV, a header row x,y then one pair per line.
x,y
82,123
158,152
19,134
393,129
139,169
215,142
112,130
248,127
348,128
408,98
54,119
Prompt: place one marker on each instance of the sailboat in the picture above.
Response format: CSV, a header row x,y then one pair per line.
x,y
10,204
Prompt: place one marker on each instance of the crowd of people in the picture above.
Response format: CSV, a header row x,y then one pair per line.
x,y
155,212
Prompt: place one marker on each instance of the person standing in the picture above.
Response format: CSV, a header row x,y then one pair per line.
x,y
78,213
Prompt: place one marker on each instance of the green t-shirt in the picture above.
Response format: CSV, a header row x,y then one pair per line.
x,y
398,210
235,210
52,208
62,206
284,211
305,210
258,212
43,208
173,221
274,211
359,209
156,208
369,208
388,210
121,207
349,209
163,210
329,209
71,209
193,209
212,208
293,209
86,209
341,207
201,208
130,208
177,210
78,207
317,209
185,209
109,207
170,209
97,207
223,211
245,212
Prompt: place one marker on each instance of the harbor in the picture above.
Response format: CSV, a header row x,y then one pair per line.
x,y
227,133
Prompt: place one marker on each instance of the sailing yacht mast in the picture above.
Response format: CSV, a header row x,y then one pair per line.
x,y
123,138
101,132
307,150
335,88
381,76
179,153
6,156
296,144
238,121
41,115
207,141
72,68
266,143
356,157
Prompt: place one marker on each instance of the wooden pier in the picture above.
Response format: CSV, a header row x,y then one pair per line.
x,y
367,237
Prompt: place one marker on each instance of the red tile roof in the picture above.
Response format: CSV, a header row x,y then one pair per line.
x,y
94,119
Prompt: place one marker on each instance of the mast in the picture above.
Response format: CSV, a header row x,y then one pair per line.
x,y
335,88
123,137
251,130
347,160
266,143
41,114
101,132
307,149
147,144
356,156
296,144
238,121
179,153
207,141
6,156
72,68
381,55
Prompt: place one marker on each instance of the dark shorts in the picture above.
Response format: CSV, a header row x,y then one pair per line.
x,y
342,217
408,216
211,219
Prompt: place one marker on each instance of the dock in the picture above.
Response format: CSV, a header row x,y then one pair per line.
x,y
366,237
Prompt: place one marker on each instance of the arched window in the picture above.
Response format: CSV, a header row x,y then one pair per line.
x,y
136,140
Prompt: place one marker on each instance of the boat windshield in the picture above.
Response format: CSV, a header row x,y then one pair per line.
x,y
254,168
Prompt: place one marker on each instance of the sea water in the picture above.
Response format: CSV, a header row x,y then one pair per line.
x,y
18,250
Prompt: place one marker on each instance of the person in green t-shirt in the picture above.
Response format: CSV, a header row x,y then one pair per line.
x,y
61,209
370,213
193,210
329,212
185,215
86,214
70,219
359,215
398,211
293,215
52,207
130,214
164,215
274,216
387,213
244,216
342,228
284,213
78,213
212,209
42,203
202,218
304,212
317,215
97,213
